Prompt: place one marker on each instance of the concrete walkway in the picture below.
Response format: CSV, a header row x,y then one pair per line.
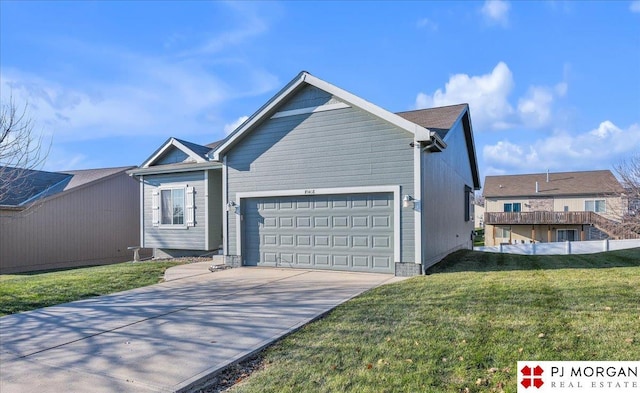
x,y
166,337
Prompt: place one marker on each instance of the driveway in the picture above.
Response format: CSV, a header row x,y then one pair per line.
x,y
166,337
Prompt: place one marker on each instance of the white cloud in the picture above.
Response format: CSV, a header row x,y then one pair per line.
x,y
593,149
635,6
486,95
535,108
230,127
496,12
427,24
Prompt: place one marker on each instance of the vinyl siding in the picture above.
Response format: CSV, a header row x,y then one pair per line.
x,y
444,177
173,156
339,148
90,225
308,97
190,238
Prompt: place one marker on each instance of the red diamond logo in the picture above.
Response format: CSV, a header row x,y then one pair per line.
x,y
532,377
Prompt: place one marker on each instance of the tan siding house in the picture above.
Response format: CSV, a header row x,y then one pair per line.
x,y
552,207
70,219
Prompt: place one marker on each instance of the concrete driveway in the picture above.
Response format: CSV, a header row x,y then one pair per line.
x,y
166,337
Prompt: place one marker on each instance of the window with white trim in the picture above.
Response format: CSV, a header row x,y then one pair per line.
x,y
596,205
173,207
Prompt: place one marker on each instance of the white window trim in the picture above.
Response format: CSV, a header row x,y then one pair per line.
x,y
397,249
185,188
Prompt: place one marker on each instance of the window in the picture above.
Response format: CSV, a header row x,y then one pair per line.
x,y
468,209
513,207
598,206
503,232
564,235
173,207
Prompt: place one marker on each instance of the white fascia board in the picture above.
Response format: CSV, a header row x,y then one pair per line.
x,y
397,202
162,169
239,133
365,105
171,142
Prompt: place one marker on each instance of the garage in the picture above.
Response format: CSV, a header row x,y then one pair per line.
x,y
352,232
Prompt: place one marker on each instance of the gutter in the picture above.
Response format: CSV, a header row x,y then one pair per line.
x,y
174,169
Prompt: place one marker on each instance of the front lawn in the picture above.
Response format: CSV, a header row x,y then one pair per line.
x,y
464,327
28,291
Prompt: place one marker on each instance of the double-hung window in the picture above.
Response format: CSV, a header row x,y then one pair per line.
x,y
173,207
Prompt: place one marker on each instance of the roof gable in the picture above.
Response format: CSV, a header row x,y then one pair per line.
x,y
598,182
345,98
193,152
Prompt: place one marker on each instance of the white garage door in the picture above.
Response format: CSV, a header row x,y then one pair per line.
x,y
340,232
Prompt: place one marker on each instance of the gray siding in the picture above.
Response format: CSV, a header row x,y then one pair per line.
x,y
339,148
190,238
444,176
309,96
173,156
90,225
215,209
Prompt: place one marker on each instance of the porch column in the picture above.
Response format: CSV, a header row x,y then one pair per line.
x,y
549,235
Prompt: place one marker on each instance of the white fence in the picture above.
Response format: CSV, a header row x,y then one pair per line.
x,y
562,248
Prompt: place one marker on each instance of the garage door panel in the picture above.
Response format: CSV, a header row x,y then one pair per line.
x,y
344,232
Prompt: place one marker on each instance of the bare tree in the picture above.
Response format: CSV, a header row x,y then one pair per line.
x,y
21,151
628,172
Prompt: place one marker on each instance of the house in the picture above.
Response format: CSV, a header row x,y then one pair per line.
x,y
51,220
318,178
478,215
552,207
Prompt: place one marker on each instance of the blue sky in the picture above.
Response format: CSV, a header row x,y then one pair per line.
x,y
551,84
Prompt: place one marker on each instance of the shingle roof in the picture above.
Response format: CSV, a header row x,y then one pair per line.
x,y
194,147
19,186
215,144
439,119
85,176
560,183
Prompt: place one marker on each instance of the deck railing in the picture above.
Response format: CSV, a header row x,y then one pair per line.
x,y
542,217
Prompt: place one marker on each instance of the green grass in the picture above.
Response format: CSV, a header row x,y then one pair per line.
x,y
478,240
29,291
464,327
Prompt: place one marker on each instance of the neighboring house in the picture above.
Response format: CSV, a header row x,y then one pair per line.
x,y
318,178
51,220
552,207
478,215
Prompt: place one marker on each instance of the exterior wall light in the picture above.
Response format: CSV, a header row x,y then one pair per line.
x,y
232,206
408,201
